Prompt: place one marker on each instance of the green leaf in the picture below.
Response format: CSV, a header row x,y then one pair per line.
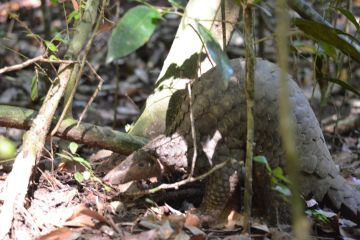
x,y
328,49
279,174
178,3
53,57
73,147
264,161
132,31
350,17
7,148
83,162
58,37
216,53
107,188
65,156
79,177
304,48
52,47
321,215
323,33
283,190
74,15
33,35
34,86
344,85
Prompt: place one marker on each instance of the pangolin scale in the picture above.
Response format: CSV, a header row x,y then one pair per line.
x,y
219,120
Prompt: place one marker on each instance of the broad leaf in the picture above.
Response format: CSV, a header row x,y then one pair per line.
x,y
83,162
216,53
344,85
132,31
79,177
322,32
7,148
264,161
73,147
285,191
279,174
52,47
350,17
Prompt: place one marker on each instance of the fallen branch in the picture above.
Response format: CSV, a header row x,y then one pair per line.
x,y
89,134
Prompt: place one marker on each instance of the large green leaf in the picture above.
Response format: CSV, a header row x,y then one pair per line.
x,y
216,53
132,31
350,17
344,85
322,32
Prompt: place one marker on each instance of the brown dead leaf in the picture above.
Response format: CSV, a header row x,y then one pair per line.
x,y
177,221
15,5
75,4
192,219
63,233
82,217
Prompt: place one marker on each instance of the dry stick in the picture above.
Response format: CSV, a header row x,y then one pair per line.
x,y
287,130
98,88
68,103
249,92
193,133
178,184
31,61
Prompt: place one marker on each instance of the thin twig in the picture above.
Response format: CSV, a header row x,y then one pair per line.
x,y
98,88
178,184
193,133
31,61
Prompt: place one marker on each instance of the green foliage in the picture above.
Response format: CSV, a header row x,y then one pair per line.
x,y
73,16
320,215
329,35
7,148
350,17
178,3
216,53
132,31
279,181
52,47
345,85
34,86
86,175
73,147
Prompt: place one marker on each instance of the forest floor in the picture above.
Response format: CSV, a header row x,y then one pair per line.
x,y
60,206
